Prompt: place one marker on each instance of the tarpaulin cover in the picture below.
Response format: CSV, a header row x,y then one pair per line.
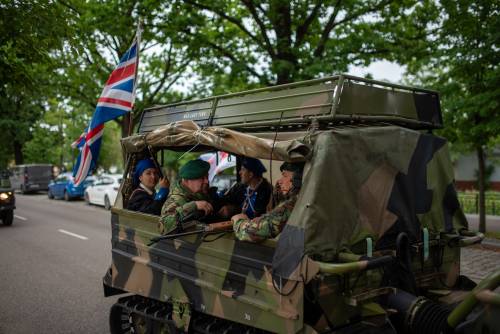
x,y
189,134
369,182
359,182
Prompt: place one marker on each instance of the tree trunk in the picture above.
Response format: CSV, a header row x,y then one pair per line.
x,y
480,182
127,125
18,153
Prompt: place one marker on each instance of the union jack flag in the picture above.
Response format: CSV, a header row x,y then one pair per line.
x,y
117,98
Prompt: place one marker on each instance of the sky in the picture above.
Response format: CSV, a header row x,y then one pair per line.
x,y
381,70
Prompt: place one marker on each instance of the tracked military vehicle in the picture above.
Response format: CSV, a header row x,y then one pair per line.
x,y
372,245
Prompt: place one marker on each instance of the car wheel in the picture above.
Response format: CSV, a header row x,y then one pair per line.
x,y
107,204
50,195
8,217
86,198
66,196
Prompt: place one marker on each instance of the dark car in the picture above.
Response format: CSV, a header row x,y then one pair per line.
x,y
63,187
7,199
31,178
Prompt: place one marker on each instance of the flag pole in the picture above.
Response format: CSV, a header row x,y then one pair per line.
x,y
138,37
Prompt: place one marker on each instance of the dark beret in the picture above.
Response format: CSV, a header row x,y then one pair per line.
x,y
253,165
296,167
141,166
194,169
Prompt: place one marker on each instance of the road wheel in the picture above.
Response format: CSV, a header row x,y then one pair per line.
x,y
107,204
123,322
86,198
8,217
66,196
50,195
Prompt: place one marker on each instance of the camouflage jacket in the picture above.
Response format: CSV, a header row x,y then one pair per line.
x,y
178,205
266,226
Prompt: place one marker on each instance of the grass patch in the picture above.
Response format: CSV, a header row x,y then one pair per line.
x,y
493,235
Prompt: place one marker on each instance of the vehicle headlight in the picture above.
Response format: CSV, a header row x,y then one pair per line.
x,y
4,196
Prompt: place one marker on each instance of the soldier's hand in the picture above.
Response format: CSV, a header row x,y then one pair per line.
x,y
227,211
239,216
205,207
164,182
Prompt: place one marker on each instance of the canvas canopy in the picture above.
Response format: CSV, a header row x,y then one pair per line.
x,y
188,134
359,182
369,182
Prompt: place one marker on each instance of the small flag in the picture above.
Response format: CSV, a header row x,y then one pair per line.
x,y
218,162
117,99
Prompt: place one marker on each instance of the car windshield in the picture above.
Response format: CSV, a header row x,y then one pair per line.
x,y
4,180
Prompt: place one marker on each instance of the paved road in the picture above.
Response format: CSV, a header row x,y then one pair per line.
x,y
50,280
492,222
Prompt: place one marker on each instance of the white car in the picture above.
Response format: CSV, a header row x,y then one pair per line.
x,y
104,190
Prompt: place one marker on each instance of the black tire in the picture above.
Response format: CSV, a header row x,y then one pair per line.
x,y
118,321
66,196
86,198
50,195
8,217
107,204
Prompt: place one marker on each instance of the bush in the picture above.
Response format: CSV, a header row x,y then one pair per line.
x,y
469,200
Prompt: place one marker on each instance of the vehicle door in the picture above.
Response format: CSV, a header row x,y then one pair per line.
x,y
113,189
39,176
59,186
98,191
15,177
105,187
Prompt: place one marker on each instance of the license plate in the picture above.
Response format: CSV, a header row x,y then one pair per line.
x,y
35,186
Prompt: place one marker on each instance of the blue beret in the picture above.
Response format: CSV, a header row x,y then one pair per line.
x,y
141,166
194,169
254,165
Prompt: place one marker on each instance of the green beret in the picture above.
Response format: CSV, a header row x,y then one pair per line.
x,y
194,169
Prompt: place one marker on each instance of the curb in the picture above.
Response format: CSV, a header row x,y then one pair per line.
x,y
495,243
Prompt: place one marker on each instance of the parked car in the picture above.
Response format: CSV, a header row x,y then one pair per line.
x,y
64,188
104,190
31,178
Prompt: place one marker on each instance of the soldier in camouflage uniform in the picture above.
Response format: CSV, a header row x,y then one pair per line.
x,y
188,195
271,224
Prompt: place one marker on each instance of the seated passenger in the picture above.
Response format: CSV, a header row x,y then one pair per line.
x,y
272,223
251,195
144,198
188,195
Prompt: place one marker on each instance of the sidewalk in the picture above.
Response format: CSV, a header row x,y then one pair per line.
x,y
492,222
478,261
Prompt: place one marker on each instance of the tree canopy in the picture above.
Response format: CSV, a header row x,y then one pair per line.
x,y
260,43
30,33
462,62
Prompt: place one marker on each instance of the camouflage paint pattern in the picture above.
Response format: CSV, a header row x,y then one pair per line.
x,y
266,226
330,99
371,182
214,277
179,204
359,182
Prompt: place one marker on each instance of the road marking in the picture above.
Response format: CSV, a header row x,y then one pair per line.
x,y
73,234
19,217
